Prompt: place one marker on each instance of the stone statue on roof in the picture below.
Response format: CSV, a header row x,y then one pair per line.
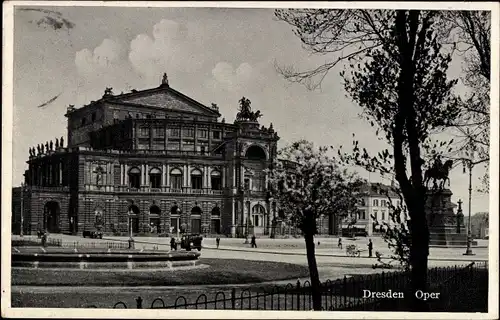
x,y
108,91
164,80
246,113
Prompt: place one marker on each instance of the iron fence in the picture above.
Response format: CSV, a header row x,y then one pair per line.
x,y
55,242
346,294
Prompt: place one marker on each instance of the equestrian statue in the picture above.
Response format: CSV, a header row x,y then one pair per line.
x,y
438,172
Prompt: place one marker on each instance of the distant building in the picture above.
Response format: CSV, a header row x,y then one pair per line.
x,y
154,162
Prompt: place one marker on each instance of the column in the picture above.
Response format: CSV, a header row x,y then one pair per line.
x,y
184,184
163,174
146,174
60,173
234,176
125,175
121,174
209,181
223,177
188,175
205,177
167,175
143,171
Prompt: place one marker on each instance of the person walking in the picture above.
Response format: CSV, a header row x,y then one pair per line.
x,y
173,244
217,240
370,248
340,243
253,243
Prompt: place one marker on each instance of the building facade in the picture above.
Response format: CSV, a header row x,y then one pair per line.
x,y
155,162
375,206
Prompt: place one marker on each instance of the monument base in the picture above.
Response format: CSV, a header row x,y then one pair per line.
x,y
445,227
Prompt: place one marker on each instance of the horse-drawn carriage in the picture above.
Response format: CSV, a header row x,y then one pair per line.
x,y
352,250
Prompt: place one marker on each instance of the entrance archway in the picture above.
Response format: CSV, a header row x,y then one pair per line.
x,y
215,221
133,215
196,219
154,219
255,153
51,217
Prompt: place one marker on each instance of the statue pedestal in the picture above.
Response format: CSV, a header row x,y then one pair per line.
x,y
445,227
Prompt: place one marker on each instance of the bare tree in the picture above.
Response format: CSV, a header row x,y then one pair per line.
x,y
397,74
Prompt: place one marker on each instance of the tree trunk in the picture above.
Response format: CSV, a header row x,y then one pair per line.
x,y
419,252
313,271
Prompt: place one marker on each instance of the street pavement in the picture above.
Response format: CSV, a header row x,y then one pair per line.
x,y
332,261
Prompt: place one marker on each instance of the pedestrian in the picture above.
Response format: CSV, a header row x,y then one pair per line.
x,y
217,240
254,244
340,243
173,245
370,248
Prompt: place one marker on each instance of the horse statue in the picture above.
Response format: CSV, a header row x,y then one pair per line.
x,y
438,172
245,109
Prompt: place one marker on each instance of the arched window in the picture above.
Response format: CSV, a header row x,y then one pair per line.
x,y
196,179
176,179
216,180
216,211
258,212
196,211
155,178
255,153
134,178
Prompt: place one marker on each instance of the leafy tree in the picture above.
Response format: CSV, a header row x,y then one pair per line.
x,y
308,184
397,74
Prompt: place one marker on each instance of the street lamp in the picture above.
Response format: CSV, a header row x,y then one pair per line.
x,y
21,233
468,163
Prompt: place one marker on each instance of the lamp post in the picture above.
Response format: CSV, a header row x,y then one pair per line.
x,y
21,233
468,163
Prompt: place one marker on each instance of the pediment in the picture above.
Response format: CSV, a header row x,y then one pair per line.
x,y
169,101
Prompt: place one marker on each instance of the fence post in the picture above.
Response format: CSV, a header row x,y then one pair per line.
x,y
298,295
233,299
139,302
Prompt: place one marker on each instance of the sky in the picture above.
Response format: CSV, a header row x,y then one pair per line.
x,y
210,54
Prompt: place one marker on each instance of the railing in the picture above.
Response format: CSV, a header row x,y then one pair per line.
x,y
345,294
49,188
184,190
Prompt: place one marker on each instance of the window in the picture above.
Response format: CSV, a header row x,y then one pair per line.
x,y
215,180
383,203
155,178
84,121
94,116
159,132
188,132
375,213
176,179
174,132
383,214
246,184
203,133
196,179
216,134
188,146
134,178
144,131
362,214
173,146
375,203
258,215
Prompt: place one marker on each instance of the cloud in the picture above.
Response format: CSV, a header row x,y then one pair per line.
x,y
107,55
227,78
150,56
